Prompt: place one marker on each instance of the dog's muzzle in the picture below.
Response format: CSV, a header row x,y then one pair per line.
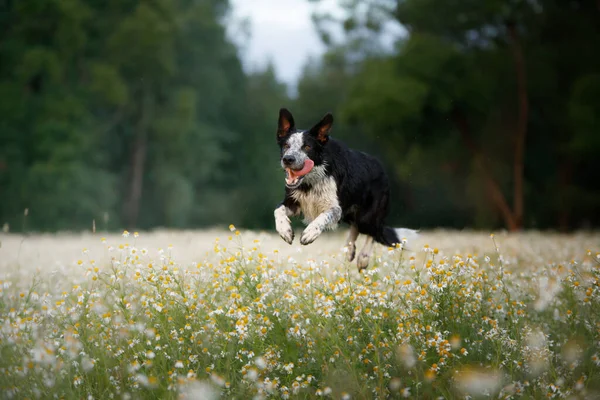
x,y
294,176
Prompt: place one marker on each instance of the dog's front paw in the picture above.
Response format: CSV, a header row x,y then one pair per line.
x,y
310,234
287,235
284,228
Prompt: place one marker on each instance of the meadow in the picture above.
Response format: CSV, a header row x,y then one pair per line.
x,y
219,313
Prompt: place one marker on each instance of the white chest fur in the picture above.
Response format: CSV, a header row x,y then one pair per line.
x,y
321,197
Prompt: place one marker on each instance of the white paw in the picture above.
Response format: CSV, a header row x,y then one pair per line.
x,y
309,235
284,227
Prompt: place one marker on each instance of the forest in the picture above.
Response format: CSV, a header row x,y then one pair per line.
x,y
132,114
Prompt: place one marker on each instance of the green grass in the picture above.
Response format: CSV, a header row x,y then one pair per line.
x,y
246,322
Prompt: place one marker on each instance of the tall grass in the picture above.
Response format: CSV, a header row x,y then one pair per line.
x,y
247,322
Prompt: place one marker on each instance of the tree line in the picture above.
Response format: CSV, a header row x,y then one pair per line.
x,y
137,114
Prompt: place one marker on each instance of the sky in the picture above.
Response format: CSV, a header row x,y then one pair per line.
x,y
280,31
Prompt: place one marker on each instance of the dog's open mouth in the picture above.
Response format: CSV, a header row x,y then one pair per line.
x,y
294,177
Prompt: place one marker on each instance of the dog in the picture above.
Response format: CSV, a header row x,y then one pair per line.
x,y
327,182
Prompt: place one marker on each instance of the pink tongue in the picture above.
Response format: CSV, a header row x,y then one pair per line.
x,y
308,165
292,176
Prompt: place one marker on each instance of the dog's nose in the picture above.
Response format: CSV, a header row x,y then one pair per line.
x,y
287,160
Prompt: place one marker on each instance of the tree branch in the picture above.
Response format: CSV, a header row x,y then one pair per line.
x,y
493,187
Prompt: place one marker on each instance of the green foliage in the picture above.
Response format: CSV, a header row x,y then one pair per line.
x,y
66,193
584,115
141,111
130,109
447,97
260,179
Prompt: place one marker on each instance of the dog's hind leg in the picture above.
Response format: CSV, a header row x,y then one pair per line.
x,y
365,255
351,242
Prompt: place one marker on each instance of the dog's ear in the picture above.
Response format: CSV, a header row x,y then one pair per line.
x,y
321,130
286,123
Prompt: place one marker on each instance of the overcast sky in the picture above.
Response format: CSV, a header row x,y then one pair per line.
x,y
280,31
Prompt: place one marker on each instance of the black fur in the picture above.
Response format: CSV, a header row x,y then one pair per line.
x,y
362,184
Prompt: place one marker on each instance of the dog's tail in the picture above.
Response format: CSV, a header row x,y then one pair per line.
x,y
390,236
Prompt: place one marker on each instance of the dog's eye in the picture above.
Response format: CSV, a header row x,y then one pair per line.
x,y
286,146
307,148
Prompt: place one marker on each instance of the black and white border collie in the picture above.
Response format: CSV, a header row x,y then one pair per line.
x,y
327,182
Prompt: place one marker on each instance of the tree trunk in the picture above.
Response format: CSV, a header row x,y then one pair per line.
x,y
138,161
493,187
522,120
565,174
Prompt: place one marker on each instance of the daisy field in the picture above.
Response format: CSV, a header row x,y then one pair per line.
x,y
229,314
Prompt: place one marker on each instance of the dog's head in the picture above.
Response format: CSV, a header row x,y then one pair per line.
x,y
301,150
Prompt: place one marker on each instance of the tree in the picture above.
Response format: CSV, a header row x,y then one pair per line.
x,y
466,91
260,177
126,108
47,157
